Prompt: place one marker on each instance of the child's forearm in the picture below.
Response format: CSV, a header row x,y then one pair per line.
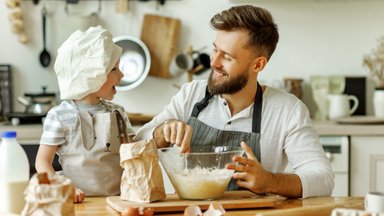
x,y
43,166
44,158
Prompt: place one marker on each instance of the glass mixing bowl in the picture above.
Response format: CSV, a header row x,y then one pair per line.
x,y
200,174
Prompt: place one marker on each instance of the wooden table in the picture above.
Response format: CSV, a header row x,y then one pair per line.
x,y
317,206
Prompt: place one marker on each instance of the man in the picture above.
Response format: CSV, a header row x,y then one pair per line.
x,y
232,107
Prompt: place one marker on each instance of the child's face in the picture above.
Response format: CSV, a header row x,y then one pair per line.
x,y
108,90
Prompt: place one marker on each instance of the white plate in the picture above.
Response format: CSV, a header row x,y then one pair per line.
x,y
360,120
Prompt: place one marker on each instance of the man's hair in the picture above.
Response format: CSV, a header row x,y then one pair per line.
x,y
262,30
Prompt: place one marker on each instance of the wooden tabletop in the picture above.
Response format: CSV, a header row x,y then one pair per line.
x,y
317,206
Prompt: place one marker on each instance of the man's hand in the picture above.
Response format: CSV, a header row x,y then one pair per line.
x,y
251,175
249,172
175,132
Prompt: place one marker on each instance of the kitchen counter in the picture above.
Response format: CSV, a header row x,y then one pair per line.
x,y
26,134
30,134
333,128
311,206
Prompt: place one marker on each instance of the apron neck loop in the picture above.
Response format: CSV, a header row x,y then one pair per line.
x,y
256,118
202,104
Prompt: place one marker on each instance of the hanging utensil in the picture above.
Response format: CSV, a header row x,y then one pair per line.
x,y
45,57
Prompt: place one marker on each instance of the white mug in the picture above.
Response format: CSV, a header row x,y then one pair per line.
x,y
181,63
378,103
339,105
374,202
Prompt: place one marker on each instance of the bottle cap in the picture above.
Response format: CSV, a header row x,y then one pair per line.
x,y
8,134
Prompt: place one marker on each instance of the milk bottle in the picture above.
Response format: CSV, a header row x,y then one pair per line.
x,y
14,174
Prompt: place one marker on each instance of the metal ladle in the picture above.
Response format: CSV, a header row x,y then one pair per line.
x,y
45,57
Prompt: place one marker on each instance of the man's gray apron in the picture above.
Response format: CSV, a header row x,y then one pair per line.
x,y
206,135
91,159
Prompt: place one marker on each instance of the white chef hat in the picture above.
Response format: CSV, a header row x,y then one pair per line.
x,y
84,61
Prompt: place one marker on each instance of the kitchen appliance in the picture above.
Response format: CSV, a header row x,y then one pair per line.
x,y
17,118
36,105
337,150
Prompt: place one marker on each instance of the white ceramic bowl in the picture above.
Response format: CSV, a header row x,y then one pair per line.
x,y
135,61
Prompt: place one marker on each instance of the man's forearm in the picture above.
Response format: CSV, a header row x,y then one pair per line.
x,y
288,185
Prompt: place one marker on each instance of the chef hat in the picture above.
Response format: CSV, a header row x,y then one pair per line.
x,y
84,61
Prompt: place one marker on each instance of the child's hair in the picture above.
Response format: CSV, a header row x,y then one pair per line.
x,y
84,61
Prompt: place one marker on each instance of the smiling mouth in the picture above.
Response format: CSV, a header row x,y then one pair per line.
x,y
220,73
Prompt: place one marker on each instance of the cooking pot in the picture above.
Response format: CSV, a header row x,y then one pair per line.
x,y
38,103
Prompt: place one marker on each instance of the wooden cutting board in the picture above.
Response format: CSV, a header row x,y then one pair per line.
x,y
161,35
172,203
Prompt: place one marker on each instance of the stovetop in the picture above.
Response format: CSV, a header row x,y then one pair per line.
x,y
16,118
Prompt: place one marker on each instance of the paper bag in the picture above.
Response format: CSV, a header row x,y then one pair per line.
x,y
142,180
55,198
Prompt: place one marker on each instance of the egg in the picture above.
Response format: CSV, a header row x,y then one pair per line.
x,y
130,211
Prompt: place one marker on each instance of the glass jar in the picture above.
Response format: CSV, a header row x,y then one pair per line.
x,y
293,86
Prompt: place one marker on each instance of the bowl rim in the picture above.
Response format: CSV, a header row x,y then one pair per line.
x,y
147,65
237,150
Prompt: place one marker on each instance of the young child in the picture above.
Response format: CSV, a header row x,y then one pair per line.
x,y
86,130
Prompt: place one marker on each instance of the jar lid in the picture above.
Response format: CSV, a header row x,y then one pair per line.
x,y
8,134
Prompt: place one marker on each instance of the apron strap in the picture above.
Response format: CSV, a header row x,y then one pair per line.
x,y
202,104
122,127
256,118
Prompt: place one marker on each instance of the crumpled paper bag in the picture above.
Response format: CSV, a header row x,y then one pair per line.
x,y
142,180
55,198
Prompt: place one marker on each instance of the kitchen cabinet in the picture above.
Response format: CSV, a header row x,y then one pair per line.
x,y
367,164
366,155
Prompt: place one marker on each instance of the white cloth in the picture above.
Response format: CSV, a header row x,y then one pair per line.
x,y
84,61
286,132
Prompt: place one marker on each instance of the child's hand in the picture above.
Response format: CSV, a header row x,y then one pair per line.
x,y
79,197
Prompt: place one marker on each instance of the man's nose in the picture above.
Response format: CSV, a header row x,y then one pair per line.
x,y
215,61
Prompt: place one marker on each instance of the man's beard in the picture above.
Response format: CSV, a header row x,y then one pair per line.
x,y
228,87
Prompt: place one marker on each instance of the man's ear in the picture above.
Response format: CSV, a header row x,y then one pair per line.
x,y
259,64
